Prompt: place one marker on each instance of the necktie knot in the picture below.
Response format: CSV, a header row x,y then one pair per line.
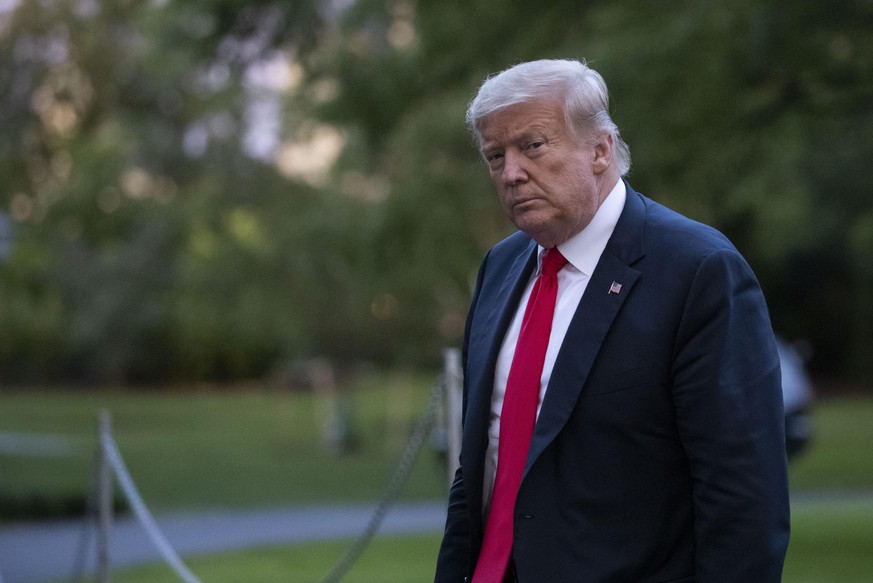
x,y
553,262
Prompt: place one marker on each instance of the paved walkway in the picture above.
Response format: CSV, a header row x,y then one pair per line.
x,y
37,553
47,551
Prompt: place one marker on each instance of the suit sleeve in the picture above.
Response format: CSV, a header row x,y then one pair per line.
x,y
728,399
455,548
454,553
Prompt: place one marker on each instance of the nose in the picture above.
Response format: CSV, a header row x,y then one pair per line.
x,y
513,168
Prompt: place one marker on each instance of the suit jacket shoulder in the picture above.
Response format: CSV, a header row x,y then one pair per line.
x,y
655,228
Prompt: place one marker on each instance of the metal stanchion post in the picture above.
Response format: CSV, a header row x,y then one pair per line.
x,y
104,501
454,404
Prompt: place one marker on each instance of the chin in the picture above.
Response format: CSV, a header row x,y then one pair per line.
x,y
535,229
531,222
543,238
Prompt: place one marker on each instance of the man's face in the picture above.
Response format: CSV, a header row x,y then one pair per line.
x,y
550,184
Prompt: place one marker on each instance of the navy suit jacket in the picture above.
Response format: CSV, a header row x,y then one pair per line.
x,y
659,452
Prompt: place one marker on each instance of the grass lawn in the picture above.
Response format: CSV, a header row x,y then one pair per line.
x,y
251,448
831,543
388,560
212,448
206,448
839,457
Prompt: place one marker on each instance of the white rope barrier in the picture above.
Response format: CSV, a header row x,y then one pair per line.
x,y
423,426
142,512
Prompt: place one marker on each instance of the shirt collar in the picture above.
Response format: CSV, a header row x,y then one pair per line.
x,y
583,249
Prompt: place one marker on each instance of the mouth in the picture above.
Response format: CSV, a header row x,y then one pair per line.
x,y
523,203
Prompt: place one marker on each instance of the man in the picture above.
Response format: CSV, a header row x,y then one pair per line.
x,y
658,451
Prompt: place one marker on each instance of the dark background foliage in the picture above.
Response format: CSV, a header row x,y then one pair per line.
x,y
212,190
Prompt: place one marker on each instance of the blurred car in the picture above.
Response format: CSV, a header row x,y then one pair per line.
x,y
797,395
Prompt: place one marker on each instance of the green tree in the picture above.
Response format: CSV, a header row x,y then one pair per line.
x,y
137,181
753,116
170,170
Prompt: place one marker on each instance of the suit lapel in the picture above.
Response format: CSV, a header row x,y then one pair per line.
x,y
511,290
594,316
499,314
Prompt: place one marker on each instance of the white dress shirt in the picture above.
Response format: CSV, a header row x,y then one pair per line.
x,y
582,251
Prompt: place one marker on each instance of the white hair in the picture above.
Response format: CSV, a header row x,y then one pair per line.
x,y
582,89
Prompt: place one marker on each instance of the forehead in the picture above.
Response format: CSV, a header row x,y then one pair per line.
x,y
520,119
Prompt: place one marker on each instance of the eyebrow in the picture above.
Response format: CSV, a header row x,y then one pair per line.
x,y
529,135
525,136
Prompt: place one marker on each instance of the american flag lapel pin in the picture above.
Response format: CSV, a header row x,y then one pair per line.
x,y
615,288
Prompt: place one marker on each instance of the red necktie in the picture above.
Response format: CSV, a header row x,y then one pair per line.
x,y
518,417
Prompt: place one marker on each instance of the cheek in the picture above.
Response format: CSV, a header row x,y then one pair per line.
x,y
567,176
576,191
502,196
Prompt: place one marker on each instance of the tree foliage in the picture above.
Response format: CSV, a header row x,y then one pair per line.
x,y
179,214
152,239
752,116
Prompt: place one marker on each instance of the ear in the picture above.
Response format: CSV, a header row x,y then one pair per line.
x,y
601,157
